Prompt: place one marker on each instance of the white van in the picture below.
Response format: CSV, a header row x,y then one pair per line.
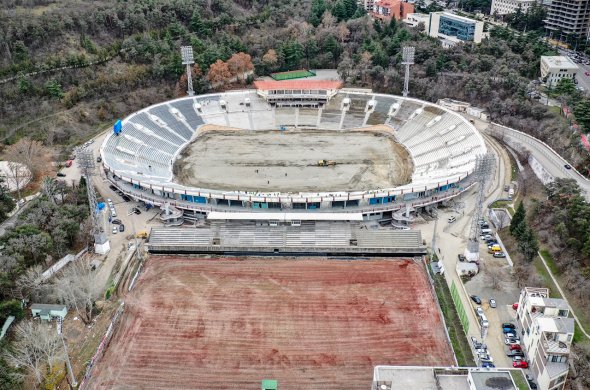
x,y
452,219
486,231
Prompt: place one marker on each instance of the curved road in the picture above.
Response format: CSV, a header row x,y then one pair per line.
x,y
551,161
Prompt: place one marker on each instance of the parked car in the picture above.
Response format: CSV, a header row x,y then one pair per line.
x,y
508,325
510,341
487,365
520,364
136,210
531,382
517,358
461,257
486,237
69,163
476,299
99,159
499,254
491,241
567,166
116,221
126,198
515,306
115,230
112,187
121,228
492,303
61,174
510,334
452,219
507,331
479,310
515,347
514,353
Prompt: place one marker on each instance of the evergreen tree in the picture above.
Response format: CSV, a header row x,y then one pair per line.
x,y
517,218
528,244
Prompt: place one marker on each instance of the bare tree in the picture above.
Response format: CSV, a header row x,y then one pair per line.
x,y
37,347
19,175
503,219
77,288
31,154
30,284
49,188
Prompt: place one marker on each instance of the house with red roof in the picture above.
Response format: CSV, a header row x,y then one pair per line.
x,y
387,9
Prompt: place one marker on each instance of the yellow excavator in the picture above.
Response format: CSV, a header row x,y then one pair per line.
x,y
326,163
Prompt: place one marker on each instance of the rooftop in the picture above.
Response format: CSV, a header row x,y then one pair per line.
x,y
297,84
559,61
556,325
443,378
556,369
453,16
44,306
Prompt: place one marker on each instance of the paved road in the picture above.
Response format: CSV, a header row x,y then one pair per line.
x,y
551,161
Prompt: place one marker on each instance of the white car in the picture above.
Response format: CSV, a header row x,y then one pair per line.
x,y
115,230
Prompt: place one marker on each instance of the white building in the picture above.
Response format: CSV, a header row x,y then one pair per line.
x,y
442,378
555,68
504,7
414,19
547,336
367,4
452,29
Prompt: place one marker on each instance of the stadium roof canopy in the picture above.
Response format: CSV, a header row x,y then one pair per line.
x,y
297,84
221,215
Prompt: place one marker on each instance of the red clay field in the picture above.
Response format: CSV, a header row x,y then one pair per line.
x,y
219,323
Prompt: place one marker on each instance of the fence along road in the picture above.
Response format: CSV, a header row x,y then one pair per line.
x,y
543,153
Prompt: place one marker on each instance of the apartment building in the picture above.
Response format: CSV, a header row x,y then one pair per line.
x,y
366,4
555,68
451,28
413,20
505,7
387,9
547,335
568,17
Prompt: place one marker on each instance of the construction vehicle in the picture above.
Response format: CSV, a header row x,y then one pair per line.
x,y
325,163
142,234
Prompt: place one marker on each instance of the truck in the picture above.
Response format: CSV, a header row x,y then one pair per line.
x,y
142,234
325,163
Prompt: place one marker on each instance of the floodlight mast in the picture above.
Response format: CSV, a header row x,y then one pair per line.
x,y
188,59
407,60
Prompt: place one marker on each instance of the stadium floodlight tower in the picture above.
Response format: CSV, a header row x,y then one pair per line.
x,y
188,59
85,159
407,60
484,165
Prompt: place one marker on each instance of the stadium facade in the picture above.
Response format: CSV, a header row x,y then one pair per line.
x,y
442,144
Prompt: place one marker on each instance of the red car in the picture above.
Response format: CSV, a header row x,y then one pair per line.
x,y
587,73
514,347
520,364
515,306
68,163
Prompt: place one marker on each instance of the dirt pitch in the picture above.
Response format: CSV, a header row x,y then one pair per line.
x,y
287,161
195,323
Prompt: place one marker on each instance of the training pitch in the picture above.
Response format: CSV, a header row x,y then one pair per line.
x,y
218,323
287,161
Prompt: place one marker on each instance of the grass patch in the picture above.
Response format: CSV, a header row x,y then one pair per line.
x,y
519,379
458,337
294,74
550,261
554,292
501,204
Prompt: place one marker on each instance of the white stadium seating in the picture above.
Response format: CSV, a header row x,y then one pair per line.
x,y
442,144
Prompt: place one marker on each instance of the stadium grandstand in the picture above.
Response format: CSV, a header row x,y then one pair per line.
x,y
443,146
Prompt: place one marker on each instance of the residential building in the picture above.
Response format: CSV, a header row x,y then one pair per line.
x,y
48,312
387,9
452,29
414,19
555,68
567,17
547,334
367,4
442,378
504,7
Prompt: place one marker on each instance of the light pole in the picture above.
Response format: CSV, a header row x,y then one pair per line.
x,y
188,59
68,363
407,60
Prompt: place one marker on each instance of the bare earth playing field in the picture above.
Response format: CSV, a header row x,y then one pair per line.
x,y
287,161
195,323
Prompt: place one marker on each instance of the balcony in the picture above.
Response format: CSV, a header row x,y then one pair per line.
x,y
551,346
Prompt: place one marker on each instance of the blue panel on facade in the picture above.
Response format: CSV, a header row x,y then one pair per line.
x,y
199,199
461,29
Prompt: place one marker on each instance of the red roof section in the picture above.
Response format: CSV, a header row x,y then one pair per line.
x,y
297,84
